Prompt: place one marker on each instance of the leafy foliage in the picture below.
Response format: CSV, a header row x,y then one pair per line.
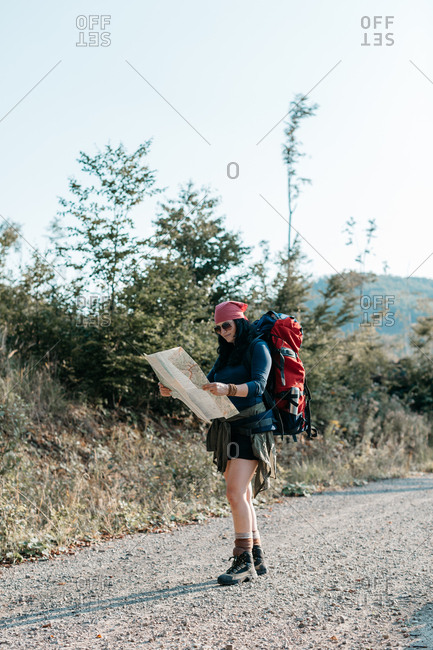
x,y
156,293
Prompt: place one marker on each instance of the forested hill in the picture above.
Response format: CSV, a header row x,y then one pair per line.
x,y
402,300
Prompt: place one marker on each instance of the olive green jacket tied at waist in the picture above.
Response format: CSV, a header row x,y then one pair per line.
x,y
263,444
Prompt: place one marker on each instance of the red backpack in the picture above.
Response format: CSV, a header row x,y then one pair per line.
x,y
287,392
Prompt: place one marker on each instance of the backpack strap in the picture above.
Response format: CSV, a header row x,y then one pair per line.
x,y
249,353
311,431
267,397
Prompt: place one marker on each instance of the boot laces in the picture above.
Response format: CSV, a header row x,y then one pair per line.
x,y
237,562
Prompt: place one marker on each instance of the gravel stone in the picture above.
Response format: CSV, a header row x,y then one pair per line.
x,y
339,576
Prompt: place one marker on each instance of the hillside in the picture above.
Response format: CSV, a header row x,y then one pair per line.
x,y
403,301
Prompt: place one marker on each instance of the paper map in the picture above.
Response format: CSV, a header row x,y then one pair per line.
x,y
179,372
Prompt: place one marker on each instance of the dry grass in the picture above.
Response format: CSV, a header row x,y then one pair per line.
x,y
92,476
390,447
69,472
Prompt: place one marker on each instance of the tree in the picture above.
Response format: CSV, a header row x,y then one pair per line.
x,y
9,241
165,302
411,378
291,285
187,230
259,293
423,334
362,254
100,247
299,110
163,307
339,302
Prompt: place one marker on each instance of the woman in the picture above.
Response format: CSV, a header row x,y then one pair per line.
x,y
243,445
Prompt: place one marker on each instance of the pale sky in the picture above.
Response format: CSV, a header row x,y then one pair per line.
x,y
230,69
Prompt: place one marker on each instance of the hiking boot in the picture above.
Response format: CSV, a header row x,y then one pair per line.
x,y
241,570
259,560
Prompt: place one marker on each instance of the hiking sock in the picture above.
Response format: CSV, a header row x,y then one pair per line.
x,y
256,538
243,542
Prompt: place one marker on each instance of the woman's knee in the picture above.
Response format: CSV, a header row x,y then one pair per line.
x,y
235,495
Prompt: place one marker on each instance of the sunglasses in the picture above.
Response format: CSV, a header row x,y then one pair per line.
x,y
226,326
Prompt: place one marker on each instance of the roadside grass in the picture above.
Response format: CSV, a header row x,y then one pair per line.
x,y
390,447
71,474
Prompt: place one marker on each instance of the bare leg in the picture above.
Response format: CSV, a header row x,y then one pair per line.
x,y
250,503
238,476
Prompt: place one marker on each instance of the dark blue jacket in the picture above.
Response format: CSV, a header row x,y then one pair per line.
x,y
261,363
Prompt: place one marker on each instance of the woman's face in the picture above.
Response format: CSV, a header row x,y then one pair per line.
x,y
228,334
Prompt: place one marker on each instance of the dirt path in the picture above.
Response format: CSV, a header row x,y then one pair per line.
x,y
349,569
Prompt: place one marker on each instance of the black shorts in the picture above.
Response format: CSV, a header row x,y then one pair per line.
x,y
240,446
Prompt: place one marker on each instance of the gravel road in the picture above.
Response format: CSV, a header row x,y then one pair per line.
x,y
348,569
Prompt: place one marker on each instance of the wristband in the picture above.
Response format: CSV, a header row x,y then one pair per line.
x,y
233,389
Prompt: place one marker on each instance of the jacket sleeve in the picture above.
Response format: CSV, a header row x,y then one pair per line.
x,y
261,364
211,374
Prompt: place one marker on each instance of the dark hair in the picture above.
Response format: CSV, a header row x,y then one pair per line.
x,y
231,354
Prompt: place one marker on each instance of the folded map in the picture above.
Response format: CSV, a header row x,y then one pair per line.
x,y
179,372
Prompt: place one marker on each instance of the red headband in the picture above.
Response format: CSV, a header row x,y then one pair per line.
x,y
230,310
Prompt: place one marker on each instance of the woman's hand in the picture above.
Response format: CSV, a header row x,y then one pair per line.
x,y
216,388
163,390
